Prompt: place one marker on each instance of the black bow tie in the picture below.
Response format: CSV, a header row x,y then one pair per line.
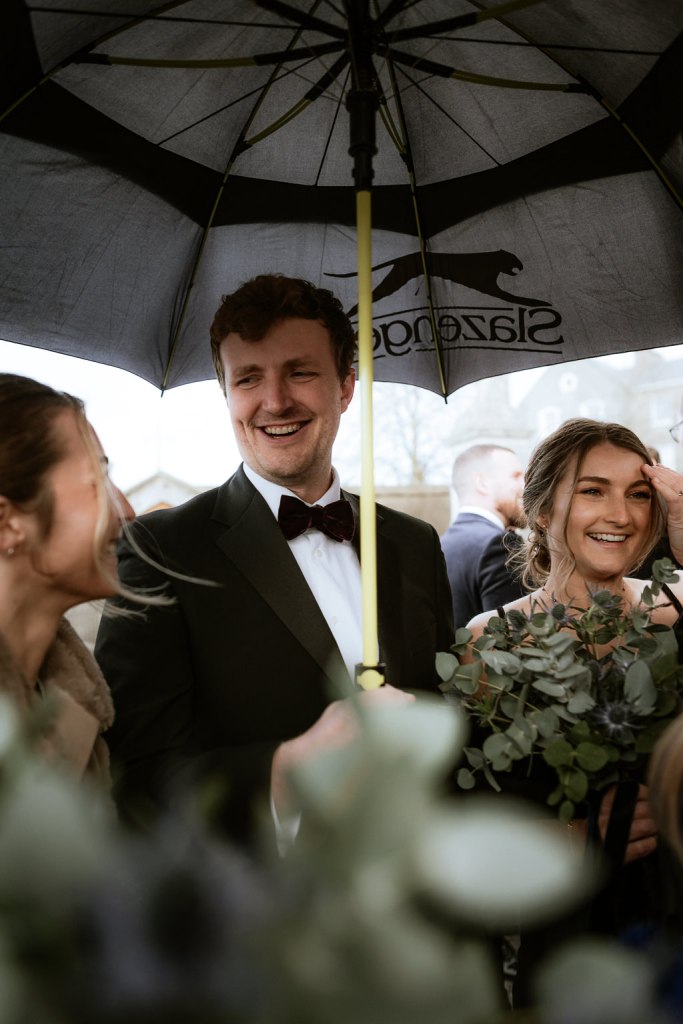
x,y
335,519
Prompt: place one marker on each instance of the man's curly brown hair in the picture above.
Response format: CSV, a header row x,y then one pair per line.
x,y
260,303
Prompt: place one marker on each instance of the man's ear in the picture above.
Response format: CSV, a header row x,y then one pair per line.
x,y
347,389
482,483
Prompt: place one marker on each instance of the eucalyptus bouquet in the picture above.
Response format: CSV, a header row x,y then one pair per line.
x,y
543,689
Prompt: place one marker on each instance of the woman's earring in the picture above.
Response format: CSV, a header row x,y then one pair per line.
x,y
9,552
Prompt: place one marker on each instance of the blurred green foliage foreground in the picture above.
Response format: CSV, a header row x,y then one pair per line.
x,y
382,912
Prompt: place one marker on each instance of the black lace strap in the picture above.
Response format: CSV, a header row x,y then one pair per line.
x,y
672,597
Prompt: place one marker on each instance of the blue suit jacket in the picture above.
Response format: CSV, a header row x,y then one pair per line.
x,y
476,551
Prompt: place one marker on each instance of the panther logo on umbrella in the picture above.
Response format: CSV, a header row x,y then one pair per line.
x,y
477,270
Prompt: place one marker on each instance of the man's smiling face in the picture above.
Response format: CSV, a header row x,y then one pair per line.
x,y
285,400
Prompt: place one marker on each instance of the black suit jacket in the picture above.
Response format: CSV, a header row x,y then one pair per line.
x,y
214,683
476,551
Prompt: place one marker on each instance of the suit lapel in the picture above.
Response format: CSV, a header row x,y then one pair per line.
x,y
254,544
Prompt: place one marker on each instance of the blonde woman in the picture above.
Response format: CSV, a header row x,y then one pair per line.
x,y
60,518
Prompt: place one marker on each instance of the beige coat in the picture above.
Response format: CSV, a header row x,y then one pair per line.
x,y
84,704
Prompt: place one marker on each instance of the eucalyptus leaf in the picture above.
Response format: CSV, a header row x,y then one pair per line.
x,y
499,683
503,762
467,678
550,688
575,782
587,688
561,643
521,738
546,721
591,757
465,779
495,745
509,705
491,779
501,662
664,571
563,713
580,702
499,867
639,688
575,672
567,811
474,756
559,753
428,732
446,665
580,732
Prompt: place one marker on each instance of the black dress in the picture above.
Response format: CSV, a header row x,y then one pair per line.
x,y
640,904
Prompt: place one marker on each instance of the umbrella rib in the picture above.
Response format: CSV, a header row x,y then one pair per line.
x,y
457,21
329,136
406,153
393,8
528,45
240,99
444,71
656,166
612,112
450,118
316,90
302,18
241,144
153,16
255,60
98,42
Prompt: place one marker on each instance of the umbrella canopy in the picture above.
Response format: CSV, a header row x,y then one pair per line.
x,y
526,193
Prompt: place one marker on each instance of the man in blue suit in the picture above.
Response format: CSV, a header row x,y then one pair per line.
x,y
488,480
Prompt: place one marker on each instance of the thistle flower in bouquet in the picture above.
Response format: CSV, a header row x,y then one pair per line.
x,y
585,692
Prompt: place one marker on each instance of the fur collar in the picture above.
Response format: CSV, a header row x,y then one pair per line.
x,y
70,666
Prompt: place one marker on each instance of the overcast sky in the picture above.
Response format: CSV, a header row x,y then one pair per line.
x,y
187,433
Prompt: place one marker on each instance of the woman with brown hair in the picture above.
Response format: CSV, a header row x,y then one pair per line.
x,y
60,518
596,505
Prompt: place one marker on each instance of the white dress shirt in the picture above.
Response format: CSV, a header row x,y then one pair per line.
x,y
331,569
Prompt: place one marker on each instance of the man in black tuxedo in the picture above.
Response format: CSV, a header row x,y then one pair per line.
x,y
488,480
241,677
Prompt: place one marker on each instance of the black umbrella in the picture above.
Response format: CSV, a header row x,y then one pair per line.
x,y
526,181
526,192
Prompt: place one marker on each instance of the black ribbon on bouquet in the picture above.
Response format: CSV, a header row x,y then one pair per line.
x,y
607,905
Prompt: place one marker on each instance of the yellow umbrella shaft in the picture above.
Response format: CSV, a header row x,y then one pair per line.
x,y
369,678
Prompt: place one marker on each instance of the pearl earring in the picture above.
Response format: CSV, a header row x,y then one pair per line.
x,y
9,552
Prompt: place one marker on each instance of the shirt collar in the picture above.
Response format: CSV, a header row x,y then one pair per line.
x,y
485,513
271,493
